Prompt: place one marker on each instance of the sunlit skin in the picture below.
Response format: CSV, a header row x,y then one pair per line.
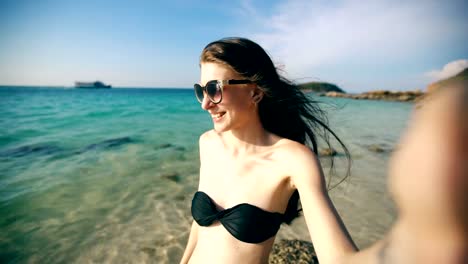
x,y
236,107
241,162
230,173
424,176
428,179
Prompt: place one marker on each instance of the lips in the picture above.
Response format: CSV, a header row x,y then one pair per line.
x,y
217,116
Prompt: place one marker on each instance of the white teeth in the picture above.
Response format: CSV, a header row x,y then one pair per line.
x,y
218,115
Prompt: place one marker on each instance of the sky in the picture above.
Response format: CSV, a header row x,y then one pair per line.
x,y
358,45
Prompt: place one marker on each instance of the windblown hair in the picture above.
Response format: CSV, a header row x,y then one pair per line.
x,y
284,109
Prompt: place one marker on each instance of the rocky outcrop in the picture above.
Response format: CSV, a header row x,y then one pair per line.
x,y
293,251
401,96
331,90
320,87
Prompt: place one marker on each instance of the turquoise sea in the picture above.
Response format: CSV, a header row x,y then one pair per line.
x,y
108,175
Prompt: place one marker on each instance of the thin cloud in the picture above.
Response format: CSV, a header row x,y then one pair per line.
x,y
306,34
450,69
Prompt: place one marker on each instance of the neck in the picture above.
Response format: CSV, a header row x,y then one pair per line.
x,y
246,139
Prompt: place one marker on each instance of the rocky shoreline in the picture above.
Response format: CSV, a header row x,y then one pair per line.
x,y
332,90
385,95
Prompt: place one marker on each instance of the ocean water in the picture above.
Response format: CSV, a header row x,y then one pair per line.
x,y
108,175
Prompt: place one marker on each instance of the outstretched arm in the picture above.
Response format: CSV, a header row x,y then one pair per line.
x,y
428,181
331,240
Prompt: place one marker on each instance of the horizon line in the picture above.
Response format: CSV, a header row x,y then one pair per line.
x,y
73,87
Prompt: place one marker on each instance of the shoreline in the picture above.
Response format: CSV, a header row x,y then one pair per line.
x,y
380,95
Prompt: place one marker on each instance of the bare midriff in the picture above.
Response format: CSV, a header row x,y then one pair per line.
x,y
216,245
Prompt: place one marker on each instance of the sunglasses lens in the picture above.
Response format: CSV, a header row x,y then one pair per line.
x,y
198,92
214,91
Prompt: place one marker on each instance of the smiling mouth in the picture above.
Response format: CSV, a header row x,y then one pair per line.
x,y
217,116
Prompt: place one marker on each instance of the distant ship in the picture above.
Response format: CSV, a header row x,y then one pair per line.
x,y
92,85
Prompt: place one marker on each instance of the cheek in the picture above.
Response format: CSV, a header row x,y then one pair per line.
x,y
238,100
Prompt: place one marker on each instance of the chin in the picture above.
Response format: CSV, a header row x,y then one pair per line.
x,y
221,127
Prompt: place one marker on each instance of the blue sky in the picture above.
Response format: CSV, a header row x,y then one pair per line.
x,y
359,45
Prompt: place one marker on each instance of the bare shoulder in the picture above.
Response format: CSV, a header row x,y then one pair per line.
x,y
300,161
287,146
208,138
209,144
295,153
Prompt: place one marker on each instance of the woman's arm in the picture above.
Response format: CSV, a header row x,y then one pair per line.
x,y
428,181
331,240
191,244
193,237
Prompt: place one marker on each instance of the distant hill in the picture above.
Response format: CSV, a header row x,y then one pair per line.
x,y
320,87
463,75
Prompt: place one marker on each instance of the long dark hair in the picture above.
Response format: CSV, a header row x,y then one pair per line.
x,y
284,110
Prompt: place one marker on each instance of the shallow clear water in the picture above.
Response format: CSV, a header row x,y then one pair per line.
x,y
108,175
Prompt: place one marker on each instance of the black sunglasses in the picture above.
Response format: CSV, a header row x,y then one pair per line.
x,y
214,89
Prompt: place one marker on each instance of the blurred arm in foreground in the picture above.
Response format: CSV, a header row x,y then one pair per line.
x,y
429,182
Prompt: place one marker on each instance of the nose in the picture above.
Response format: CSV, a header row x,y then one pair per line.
x,y
206,103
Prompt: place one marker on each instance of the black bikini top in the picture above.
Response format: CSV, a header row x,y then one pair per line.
x,y
246,222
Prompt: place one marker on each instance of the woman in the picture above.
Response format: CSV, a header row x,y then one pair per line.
x,y
247,161
255,162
